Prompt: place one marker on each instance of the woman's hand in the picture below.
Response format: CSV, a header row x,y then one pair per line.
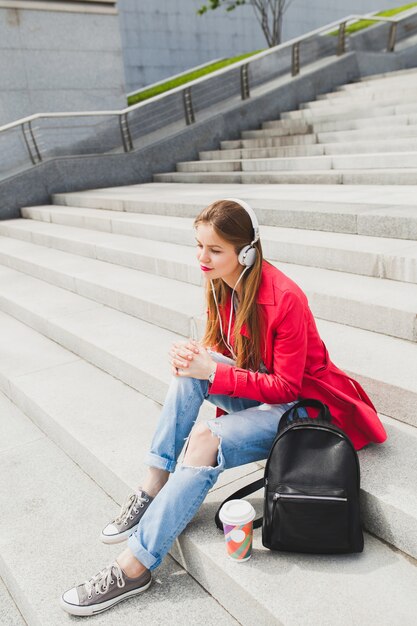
x,y
188,358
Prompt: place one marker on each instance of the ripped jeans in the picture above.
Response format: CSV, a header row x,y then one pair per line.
x,y
246,435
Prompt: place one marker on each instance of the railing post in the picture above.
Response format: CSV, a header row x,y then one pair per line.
x,y
341,40
125,133
392,37
29,137
188,106
244,81
295,65
35,145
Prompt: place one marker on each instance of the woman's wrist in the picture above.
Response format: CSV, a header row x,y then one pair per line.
x,y
212,373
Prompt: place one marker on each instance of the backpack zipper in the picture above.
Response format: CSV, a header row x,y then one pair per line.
x,y
277,496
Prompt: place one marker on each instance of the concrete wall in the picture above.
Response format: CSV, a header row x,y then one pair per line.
x,y
54,60
164,37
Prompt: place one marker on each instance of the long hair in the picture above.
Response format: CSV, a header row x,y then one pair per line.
x,y
232,223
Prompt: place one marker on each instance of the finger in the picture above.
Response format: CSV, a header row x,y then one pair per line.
x,y
181,354
184,353
174,362
179,363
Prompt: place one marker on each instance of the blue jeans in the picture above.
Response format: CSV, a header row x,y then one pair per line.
x,y
245,434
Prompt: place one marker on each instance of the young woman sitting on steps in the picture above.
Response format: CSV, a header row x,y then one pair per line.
x,y
261,352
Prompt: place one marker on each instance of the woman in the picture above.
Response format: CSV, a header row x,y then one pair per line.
x,y
261,352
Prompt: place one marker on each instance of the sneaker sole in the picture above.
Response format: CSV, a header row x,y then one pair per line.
x,y
85,611
119,538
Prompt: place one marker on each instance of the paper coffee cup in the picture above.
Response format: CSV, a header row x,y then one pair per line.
x,y
237,518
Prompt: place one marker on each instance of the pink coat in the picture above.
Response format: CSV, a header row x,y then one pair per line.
x,y
298,362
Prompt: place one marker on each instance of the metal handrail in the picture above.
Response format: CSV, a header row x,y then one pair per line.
x,y
255,57
294,44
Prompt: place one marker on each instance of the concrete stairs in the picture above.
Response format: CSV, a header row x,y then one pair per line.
x,y
365,133
93,290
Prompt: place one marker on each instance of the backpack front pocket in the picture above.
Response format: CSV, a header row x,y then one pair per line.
x,y
310,519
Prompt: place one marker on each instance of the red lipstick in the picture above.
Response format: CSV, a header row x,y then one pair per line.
x,y
205,269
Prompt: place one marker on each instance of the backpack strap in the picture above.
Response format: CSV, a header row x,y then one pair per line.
x,y
292,414
241,493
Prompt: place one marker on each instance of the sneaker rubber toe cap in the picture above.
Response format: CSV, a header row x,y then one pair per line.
x,y
71,597
110,530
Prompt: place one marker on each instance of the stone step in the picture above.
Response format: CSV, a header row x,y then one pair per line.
x,y
385,75
167,303
287,140
127,348
9,613
399,84
370,256
342,124
350,112
163,258
301,178
66,519
378,84
380,305
354,147
365,219
284,128
395,128
357,140
253,153
82,424
381,98
135,351
253,165
311,177
370,134
393,160
377,145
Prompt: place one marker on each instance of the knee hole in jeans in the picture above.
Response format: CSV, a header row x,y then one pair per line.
x,y
201,438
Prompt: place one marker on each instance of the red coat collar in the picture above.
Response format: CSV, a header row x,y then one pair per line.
x,y
266,287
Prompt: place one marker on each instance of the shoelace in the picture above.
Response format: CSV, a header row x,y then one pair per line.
x,y
130,505
100,582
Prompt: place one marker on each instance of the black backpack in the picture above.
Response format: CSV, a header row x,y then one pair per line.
x,y
312,481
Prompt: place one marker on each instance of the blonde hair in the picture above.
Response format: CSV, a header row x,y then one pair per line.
x,y
232,223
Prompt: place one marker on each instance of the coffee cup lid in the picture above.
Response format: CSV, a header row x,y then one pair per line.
x,y
237,512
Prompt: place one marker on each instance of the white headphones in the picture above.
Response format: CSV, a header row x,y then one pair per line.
x,y
246,257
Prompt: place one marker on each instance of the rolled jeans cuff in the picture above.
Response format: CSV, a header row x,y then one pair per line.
x,y
153,460
146,558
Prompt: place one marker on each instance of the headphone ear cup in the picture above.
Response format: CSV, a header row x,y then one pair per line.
x,y
247,256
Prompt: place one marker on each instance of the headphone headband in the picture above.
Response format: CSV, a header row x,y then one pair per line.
x,y
252,216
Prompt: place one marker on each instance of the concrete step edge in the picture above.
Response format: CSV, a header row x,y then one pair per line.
x,y
402,119
382,176
29,468
87,330
390,311
351,218
371,256
369,160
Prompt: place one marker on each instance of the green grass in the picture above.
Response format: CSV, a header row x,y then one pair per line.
x,y
185,78
361,24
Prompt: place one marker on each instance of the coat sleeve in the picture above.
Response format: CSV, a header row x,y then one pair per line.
x,y
289,336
